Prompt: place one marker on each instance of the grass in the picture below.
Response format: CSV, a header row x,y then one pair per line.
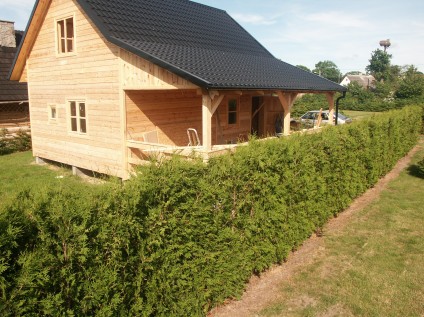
x,y
357,115
372,267
18,172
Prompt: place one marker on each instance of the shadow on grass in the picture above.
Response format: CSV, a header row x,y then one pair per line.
x,y
415,170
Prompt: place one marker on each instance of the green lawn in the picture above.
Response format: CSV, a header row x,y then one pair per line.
x,y
19,171
372,267
356,115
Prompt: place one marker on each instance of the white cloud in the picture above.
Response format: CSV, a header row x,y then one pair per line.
x,y
17,4
337,19
254,19
17,11
418,24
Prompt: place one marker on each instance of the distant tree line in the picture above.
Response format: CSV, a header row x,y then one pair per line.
x,y
394,86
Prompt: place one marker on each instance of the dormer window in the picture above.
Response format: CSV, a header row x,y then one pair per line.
x,y
65,36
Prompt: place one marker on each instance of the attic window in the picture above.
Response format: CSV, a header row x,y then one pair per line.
x,y
65,34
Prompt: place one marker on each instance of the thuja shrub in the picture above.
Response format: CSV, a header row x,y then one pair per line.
x,y
19,142
181,237
68,252
420,166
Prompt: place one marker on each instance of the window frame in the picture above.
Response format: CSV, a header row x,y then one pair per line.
x,y
77,116
59,37
235,112
50,109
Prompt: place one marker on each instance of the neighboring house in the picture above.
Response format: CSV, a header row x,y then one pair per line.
x,y
366,81
112,82
13,96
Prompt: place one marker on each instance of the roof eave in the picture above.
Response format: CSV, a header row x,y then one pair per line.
x,y
36,18
151,58
172,68
275,88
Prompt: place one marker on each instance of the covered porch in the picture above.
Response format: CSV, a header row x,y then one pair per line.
x,y
203,123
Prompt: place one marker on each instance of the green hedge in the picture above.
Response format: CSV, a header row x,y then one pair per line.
x,y
368,102
20,142
183,236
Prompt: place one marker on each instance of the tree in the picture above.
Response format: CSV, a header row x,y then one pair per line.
x,y
303,67
411,85
383,90
329,70
355,72
360,93
379,65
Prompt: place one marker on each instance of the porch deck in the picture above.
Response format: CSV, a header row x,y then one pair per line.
x,y
141,152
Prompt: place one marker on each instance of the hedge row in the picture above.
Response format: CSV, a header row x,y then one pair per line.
x,y
310,102
183,236
373,106
21,141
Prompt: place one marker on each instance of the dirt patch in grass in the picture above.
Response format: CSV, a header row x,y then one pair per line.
x,y
264,290
336,311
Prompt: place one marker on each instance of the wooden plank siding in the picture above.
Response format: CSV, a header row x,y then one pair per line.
x,y
170,113
273,109
91,73
125,96
225,133
138,73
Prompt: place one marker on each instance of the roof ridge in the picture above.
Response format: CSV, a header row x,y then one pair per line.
x,y
200,43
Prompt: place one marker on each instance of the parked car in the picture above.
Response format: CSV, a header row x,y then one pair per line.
x,y
312,116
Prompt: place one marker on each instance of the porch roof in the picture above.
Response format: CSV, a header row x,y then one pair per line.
x,y
199,43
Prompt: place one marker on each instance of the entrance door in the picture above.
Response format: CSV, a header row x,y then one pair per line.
x,y
256,128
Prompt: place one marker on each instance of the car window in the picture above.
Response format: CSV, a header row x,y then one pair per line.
x,y
309,115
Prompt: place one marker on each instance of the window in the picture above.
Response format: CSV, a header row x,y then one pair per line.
x,y
78,116
65,35
52,112
232,111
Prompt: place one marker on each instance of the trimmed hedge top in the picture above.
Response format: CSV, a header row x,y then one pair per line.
x,y
183,236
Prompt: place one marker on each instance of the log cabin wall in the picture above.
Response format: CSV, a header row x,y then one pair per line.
x,y
89,73
224,132
273,109
169,112
172,112
138,73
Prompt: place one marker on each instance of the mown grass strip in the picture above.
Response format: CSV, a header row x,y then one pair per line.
x,y
373,267
18,172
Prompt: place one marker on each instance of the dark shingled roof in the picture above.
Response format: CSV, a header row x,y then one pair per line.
x,y
10,90
199,43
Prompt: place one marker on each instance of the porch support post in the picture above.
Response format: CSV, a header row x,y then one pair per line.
x,y
287,100
206,122
330,98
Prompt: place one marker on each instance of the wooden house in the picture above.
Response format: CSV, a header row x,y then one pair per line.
x,y
112,82
14,112
365,81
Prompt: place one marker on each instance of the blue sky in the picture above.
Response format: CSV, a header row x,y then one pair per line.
x,y
304,32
